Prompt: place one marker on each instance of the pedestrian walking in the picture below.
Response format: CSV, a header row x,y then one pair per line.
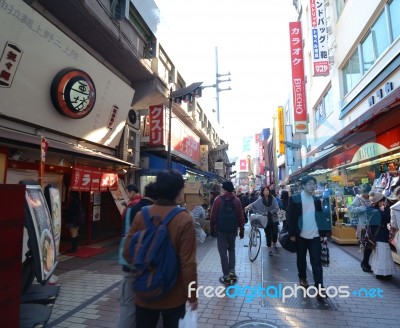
x,y
308,227
171,307
226,218
127,315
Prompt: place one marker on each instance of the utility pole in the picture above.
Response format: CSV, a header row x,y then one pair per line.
x,y
218,81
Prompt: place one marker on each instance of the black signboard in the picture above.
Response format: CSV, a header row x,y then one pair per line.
x,y
40,228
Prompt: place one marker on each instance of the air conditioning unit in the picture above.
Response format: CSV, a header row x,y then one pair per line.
x,y
133,119
131,147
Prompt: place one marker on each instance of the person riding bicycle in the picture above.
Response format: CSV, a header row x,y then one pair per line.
x,y
269,205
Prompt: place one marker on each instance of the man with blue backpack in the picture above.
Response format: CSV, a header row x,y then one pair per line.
x,y
127,316
161,245
225,220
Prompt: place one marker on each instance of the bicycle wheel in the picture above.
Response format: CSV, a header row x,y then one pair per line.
x,y
254,243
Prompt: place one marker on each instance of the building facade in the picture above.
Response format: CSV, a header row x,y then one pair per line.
x,y
78,80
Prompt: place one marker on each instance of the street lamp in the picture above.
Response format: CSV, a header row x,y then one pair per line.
x,y
185,94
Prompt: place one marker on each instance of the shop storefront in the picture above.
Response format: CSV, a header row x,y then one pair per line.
x,y
55,93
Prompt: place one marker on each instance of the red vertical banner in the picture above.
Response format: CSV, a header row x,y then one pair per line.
x,y
157,124
298,83
43,151
76,178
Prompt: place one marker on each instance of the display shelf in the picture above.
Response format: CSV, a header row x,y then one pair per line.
x,y
344,235
342,232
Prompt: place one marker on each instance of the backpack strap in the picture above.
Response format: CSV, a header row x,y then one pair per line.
x,y
166,220
171,215
146,216
127,221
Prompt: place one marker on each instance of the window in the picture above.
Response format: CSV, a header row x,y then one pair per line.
x,y
376,41
339,6
324,108
351,72
394,12
373,45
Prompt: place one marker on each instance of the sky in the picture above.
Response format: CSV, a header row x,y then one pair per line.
x,y
252,38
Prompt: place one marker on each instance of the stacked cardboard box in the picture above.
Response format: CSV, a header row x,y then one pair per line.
x,y
193,194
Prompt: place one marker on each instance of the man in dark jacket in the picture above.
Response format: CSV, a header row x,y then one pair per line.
x,y
227,232
308,225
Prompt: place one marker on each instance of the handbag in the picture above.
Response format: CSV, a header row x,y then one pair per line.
x,y
121,259
367,239
324,254
281,215
286,242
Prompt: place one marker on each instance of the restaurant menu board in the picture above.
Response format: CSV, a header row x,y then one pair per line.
x,y
41,233
55,205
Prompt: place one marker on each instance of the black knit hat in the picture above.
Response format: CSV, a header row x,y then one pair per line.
x,y
228,186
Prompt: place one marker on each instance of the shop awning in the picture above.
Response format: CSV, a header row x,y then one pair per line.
x,y
33,141
206,174
385,105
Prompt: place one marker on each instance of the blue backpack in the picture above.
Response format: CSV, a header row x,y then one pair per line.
x,y
155,262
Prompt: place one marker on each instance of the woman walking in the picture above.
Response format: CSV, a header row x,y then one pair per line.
x,y
267,205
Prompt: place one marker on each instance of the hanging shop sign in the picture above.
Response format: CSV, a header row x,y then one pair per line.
x,y
298,83
157,125
281,131
243,165
43,152
319,37
184,142
204,157
73,93
9,63
89,179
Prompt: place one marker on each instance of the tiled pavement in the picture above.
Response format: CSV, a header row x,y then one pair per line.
x,y
89,288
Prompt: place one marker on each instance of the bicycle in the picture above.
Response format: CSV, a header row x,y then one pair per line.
x,y
256,222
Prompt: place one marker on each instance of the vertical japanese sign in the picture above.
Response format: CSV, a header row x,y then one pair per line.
x,y
43,151
319,38
9,63
157,124
299,91
281,131
204,157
